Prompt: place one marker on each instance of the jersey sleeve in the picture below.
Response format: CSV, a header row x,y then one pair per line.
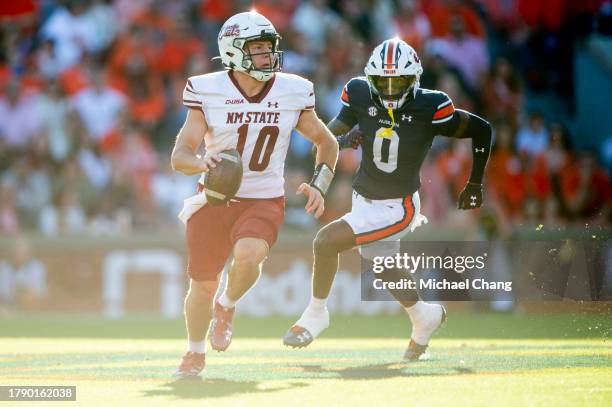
x,y
309,99
347,114
191,98
444,110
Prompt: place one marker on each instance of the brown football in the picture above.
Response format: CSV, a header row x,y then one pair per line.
x,y
222,182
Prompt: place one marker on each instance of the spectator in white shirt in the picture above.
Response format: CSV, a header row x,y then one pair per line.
x,y
52,109
464,52
313,20
99,107
533,139
18,126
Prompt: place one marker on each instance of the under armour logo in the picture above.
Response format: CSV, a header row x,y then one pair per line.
x,y
473,198
404,117
275,104
479,150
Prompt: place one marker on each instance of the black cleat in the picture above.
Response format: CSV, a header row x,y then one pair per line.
x,y
297,337
415,351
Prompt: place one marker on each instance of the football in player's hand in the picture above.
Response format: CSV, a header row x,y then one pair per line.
x,y
223,181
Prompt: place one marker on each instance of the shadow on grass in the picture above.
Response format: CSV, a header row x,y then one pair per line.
x,y
213,388
384,371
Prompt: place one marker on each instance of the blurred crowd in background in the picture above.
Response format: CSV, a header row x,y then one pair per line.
x,y
90,105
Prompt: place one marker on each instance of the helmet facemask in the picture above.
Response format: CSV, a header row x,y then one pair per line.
x,y
275,57
393,91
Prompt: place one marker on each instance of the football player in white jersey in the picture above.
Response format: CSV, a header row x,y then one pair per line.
x,y
251,107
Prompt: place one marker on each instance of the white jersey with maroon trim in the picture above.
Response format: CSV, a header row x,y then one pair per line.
x,y
258,127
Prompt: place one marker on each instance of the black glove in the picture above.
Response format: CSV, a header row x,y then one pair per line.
x,y
470,197
352,139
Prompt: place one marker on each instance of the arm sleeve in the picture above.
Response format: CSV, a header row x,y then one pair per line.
x,y
464,124
190,97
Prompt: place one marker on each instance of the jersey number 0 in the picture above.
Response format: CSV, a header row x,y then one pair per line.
x,y
385,150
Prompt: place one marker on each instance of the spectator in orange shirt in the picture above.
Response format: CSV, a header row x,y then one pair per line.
x,y
131,46
146,101
412,25
550,164
74,79
176,51
441,12
506,174
454,164
585,190
279,12
502,96
217,11
154,19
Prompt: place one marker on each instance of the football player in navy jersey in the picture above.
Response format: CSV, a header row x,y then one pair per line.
x,y
397,122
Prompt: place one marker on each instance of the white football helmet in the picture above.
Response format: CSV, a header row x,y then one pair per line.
x,y
393,73
236,32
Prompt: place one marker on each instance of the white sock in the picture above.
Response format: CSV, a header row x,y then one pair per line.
x,y
317,304
417,310
225,301
315,317
197,347
425,320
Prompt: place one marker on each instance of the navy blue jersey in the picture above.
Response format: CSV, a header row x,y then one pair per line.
x,y
391,161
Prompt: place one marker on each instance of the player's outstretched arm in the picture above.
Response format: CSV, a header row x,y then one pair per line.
x,y
468,125
347,136
184,155
311,127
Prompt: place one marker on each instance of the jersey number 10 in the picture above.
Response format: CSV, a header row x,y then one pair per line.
x,y
267,137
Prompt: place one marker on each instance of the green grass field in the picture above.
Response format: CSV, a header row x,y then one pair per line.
x,y
476,359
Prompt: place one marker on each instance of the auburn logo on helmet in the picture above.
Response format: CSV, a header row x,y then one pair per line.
x,y
390,54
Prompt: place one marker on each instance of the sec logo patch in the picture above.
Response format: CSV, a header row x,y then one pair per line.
x,y
372,111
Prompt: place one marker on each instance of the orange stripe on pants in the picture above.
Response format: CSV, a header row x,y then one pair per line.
x,y
390,230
